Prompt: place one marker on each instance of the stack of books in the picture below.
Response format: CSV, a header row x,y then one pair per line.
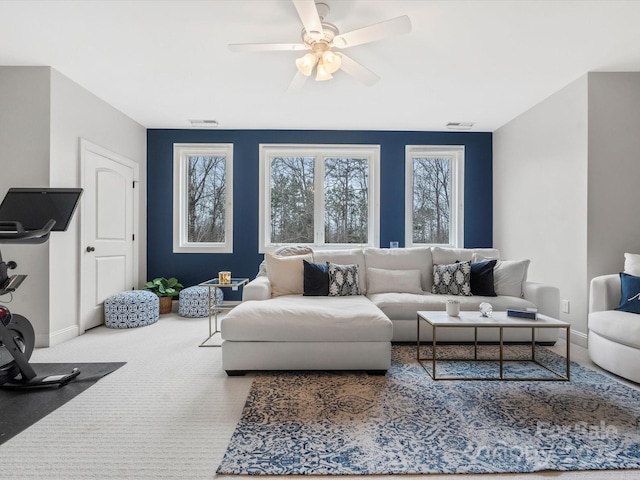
x,y
520,313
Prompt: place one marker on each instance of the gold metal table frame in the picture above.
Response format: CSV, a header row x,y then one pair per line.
x,y
501,325
214,284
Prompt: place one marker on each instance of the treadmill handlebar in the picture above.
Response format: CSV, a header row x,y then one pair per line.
x,y
14,232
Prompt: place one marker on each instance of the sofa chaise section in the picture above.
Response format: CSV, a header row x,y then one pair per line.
x,y
312,333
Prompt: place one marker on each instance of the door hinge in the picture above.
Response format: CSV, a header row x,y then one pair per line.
x,y
134,184
133,237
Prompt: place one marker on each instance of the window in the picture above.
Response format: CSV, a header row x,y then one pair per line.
x,y
321,195
434,195
202,198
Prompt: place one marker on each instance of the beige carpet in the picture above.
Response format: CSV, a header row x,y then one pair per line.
x,y
167,414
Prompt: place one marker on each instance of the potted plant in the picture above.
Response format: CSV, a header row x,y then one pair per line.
x,y
165,289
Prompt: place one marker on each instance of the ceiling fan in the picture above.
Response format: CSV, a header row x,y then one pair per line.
x,y
324,42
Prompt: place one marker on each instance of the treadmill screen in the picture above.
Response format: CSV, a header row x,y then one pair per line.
x,y
34,207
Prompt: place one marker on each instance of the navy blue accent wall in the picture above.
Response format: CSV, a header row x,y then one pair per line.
x,y
191,268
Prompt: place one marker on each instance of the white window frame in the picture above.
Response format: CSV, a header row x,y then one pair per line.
x,y
181,154
456,224
267,151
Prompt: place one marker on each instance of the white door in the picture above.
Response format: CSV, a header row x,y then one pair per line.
x,y
108,216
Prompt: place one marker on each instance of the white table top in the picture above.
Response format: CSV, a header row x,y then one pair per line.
x,y
497,319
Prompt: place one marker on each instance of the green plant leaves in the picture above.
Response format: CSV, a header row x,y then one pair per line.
x,y
163,287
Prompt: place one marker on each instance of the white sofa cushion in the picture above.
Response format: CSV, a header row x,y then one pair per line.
x,y
403,259
294,318
353,256
381,280
632,264
445,255
403,306
286,274
620,327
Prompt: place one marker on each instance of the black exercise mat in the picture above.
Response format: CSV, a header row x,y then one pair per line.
x,y
19,409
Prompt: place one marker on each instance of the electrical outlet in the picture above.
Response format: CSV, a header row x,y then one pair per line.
x,y
565,306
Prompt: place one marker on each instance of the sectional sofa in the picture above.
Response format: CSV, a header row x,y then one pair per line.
x,y
373,298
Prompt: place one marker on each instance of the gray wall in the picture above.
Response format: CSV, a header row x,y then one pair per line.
x,y
65,113
24,161
565,195
614,171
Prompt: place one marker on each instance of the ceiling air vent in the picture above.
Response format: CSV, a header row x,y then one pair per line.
x,y
204,123
460,125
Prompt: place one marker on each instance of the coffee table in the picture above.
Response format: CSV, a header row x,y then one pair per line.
x,y
498,320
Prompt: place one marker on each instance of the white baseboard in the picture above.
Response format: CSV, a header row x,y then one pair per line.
x,y
579,338
62,335
42,341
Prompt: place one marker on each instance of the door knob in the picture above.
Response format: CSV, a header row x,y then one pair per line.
x,y
91,249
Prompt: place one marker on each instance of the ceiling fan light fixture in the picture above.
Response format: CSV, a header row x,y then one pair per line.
x,y
319,37
331,61
322,73
306,63
339,42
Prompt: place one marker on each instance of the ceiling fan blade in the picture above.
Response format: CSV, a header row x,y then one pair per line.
x,y
266,47
308,13
372,33
298,82
358,71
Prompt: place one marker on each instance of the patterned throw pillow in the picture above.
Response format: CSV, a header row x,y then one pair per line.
x,y
343,280
452,279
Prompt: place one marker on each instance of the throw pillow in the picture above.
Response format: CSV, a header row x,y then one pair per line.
x,y
413,258
630,293
509,277
381,280
352,256
481,257
448,255
632,264
343,280
452,279
286,274
316,279
482,278
284,251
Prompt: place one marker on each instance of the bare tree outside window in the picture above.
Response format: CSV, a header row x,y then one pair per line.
x,y
320,195
431,200
206,198
346,200
292,199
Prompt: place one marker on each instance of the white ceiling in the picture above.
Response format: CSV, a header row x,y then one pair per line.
x,y
165,62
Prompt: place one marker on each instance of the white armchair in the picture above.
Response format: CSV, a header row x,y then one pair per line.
x,y
614,336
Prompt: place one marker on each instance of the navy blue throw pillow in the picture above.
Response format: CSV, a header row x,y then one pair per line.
x,y
482,279
630,293
316,279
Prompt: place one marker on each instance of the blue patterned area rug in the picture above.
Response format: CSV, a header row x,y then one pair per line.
x,y
405,423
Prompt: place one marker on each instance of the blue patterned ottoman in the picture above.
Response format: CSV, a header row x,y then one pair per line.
x,y
136,308
192,301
